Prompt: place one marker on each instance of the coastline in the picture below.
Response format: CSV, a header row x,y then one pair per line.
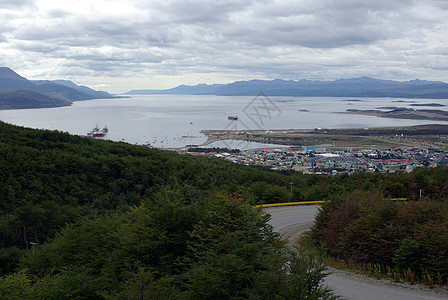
x,y
403,113
426,136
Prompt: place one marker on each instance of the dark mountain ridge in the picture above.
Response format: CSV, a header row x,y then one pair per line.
x,y
21,99
18,92
355,87
200,89
80,88
11,80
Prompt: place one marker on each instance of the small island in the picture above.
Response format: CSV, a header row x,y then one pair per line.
x,y
387,107
428,104
403,113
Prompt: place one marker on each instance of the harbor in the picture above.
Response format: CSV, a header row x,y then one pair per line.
x,y
330,152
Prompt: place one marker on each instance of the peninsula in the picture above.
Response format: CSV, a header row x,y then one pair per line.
x,y
404,113
17,92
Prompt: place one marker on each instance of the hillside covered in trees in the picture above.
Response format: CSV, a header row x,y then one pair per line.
x,y
83,218
401,240
51,178
125,221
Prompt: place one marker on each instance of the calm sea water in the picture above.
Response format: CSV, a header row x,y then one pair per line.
x,y
176,120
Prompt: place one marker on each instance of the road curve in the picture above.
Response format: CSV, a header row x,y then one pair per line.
x,y
291,221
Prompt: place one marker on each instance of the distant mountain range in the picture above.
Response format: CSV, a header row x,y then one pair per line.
x,y
17,92
356,87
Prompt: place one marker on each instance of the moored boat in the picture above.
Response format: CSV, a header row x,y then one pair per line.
x,y
96,132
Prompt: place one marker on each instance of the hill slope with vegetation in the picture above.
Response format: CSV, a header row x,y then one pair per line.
x,y
57,178
124,221
400,240
83,218
20,99
17,92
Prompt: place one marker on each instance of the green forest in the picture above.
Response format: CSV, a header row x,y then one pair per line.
x,y
404,241
92,219
120,221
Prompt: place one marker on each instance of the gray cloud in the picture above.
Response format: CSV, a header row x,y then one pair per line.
x,y
14,4
172,41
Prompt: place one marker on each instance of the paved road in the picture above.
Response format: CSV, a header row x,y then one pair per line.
x,y
291,221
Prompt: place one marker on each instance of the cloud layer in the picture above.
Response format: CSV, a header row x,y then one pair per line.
x,y
124,44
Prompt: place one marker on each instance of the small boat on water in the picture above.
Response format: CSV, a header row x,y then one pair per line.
x,y
232,118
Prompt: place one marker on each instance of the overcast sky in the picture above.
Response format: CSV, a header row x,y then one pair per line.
x,y
119,45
